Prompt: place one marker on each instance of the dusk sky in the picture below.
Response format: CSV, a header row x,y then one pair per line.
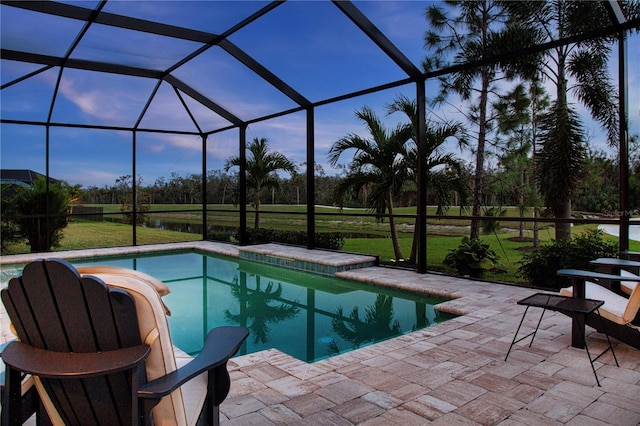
x,y
310,45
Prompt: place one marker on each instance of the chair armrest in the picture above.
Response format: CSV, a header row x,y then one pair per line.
x,y
72,365
631,255
4,345
616,263
578,278
578,273
219,346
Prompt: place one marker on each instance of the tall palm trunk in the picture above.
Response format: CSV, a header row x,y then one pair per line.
x,y
392,225
534,140
563,210
414,245
479,175
521,203
256,221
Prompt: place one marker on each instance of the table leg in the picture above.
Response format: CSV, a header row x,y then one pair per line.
x,y
578,287
577,330
578,320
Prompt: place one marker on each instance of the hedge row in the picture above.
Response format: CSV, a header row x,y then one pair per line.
x,y
539,267
331,241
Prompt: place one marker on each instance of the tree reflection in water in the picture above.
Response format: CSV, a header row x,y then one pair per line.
x,y
378,324
256,311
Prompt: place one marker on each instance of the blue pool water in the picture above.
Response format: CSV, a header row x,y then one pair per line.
x,y
308,316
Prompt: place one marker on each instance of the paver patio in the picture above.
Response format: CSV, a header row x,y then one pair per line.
x,y
451,373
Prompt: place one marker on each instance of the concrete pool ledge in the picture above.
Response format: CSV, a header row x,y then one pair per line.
x,y
323,262
208,246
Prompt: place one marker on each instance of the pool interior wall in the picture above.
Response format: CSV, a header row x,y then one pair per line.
x,y
308,316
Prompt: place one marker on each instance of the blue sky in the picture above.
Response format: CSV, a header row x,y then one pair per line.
x,y
310,45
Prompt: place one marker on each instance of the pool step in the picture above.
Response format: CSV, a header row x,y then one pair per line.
x,y
315,261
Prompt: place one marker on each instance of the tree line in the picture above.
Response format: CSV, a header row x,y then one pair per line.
x,y
503,187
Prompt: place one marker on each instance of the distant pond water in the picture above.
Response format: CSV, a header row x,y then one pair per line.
x,y
191,228
196,228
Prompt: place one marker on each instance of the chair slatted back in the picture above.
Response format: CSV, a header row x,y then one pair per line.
x,y
51,307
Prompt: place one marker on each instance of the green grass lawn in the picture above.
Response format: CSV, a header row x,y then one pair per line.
x,y
443,234
438,247
82,235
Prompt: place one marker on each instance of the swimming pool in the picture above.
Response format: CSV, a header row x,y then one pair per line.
x,y
308,316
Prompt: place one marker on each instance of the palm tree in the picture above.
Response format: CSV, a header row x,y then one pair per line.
x,y
378,323
469,36
539,104
258,311
514,122
261,169
562,148
444,172
378,164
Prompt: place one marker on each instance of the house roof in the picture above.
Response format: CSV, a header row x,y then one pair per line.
x,y
21,176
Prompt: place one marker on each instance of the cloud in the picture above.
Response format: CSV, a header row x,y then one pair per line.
x,y
155,148
98,177
219,146
185,142
88,101
222,145
106,98
400,21
88,176
232,86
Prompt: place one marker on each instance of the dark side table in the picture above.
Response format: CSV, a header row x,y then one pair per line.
x,y
573,307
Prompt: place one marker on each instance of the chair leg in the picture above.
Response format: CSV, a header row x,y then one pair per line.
x,y
145,407
212,411
610,348
537,327
216,416
42,418
533,333
586,347
602,324
12,398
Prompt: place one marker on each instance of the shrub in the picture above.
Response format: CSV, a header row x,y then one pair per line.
x,y
9,234
220,235
28,208
539,267
331,241
142,201
9,231
472,257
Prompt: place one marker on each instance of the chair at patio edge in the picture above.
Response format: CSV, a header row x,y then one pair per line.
x,y
623,267
620,315
100,351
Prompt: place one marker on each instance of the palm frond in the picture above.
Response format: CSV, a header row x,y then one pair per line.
x,y
560,159
595,89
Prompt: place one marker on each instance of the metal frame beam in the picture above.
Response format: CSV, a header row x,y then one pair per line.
x,y
311,181
111,19
263,72
80,64
367,27
623,144
136,24
203,100
348,9
615,11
